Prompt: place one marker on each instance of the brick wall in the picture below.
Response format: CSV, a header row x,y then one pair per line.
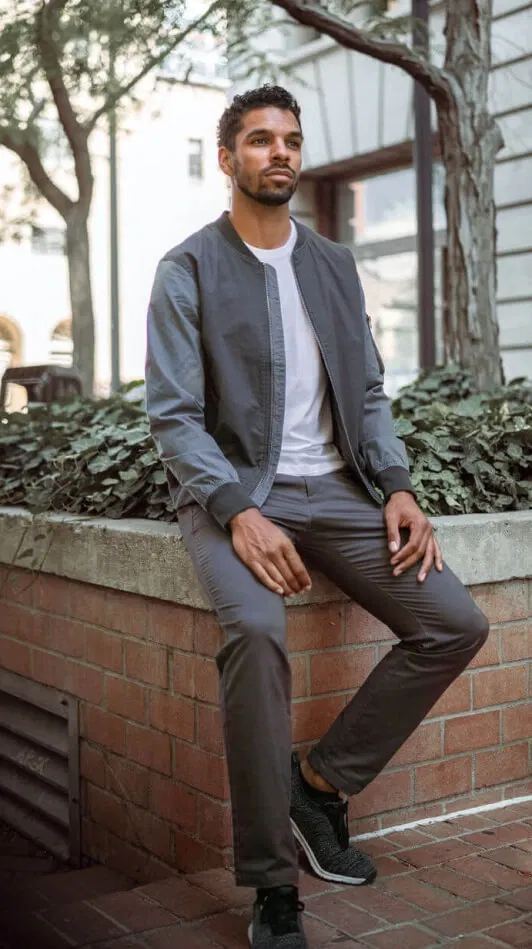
x,y
154,784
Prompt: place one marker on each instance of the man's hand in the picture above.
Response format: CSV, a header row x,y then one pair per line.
x,y
402,511
268,552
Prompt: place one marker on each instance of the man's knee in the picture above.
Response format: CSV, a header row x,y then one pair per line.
x,y
254,633
469,628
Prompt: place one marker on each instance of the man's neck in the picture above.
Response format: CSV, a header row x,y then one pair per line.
x,y
260,225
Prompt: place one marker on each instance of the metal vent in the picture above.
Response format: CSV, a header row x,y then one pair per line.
x,y
39,765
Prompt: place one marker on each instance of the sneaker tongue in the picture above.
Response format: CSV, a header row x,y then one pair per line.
x,y
337,814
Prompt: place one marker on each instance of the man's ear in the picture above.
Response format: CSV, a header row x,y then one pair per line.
x,y
225,161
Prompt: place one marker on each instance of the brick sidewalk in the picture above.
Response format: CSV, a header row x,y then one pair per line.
x,y
465,883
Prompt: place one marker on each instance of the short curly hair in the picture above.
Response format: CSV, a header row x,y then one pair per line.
x,y
231,120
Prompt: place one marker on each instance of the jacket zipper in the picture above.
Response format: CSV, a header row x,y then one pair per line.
x,y
272,387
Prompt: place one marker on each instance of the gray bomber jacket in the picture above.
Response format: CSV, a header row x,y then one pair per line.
x,y
215,369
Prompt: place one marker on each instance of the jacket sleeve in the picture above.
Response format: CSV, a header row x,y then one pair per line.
x,y
383,452
175,396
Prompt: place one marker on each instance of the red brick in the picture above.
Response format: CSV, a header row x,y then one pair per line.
x,y
511,857
186,901
387,792
10,618
48,668
148,831
214,822
381,904
201,770
52,594
441,851
106,729
501,764
444,779
183,674
489,654
173,802
314,627
521,900
129,781
469,919
456,699
22,623
341,670
511,812
502,601
336,911
518,935
499,834
149,748
104,649
497,686
147,663
92,764
126,613
15,656
469,732
172,714
208,634
17,585
122,856
312,717
66,636
87,603
517,722
423,745
429,898
516,642
298,665
196,677
126,698
107,809
171,624
84,682
209,729
490,874
458,883
361,627
196,856
408,814
221,885
94,840
407,937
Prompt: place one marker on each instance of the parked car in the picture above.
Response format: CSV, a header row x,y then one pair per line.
x,y
37,385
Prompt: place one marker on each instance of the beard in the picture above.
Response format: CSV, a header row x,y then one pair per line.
x,y
270,196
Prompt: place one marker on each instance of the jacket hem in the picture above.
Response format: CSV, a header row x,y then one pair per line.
x,y
392,479
227,501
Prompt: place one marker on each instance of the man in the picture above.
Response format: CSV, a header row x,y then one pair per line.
x,y
265,395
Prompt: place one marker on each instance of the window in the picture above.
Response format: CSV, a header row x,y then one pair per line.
x,y
48,240
195,158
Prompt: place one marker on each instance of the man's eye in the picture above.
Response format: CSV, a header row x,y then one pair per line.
x,y
295,144
258,141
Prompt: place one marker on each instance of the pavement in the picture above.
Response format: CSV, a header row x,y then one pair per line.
x,y
463,883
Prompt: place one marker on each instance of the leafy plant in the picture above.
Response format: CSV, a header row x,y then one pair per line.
x,y
470,452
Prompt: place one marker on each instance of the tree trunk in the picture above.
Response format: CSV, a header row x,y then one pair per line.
x,y
470,140
81,297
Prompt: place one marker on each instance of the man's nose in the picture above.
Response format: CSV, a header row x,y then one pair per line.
x,y
280,151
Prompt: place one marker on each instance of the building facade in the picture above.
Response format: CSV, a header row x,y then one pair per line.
x,y
359,184
169,185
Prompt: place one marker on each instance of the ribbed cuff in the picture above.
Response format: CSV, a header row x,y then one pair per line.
x,y
227,501
393,479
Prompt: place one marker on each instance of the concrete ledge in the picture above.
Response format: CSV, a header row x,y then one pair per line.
x,y
149,557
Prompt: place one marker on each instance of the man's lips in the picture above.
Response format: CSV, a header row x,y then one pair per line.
x,y
280,173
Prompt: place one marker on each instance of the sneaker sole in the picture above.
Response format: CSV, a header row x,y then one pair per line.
x,y
324,874
250,934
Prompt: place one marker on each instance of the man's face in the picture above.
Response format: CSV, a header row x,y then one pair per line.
x,y
266,161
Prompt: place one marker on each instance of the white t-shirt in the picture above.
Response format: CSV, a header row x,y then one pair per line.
x,y
307,446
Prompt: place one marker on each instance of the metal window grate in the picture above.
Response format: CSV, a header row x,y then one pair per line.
x,y
39,765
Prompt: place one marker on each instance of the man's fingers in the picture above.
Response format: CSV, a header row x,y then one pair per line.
x,y
438,556
297,567
392,529
416,546
428,560
271,578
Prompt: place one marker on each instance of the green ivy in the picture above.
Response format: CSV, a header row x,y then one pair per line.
x,y
469,451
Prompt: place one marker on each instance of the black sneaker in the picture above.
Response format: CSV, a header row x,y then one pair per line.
x,y
322,831
277,920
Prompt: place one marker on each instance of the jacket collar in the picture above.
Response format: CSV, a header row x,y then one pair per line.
x,y
227,230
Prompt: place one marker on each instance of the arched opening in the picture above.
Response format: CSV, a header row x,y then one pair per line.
x,y
61,346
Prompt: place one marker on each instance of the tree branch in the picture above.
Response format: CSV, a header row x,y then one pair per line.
x,y
30,156
74,131
434,80
113,98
